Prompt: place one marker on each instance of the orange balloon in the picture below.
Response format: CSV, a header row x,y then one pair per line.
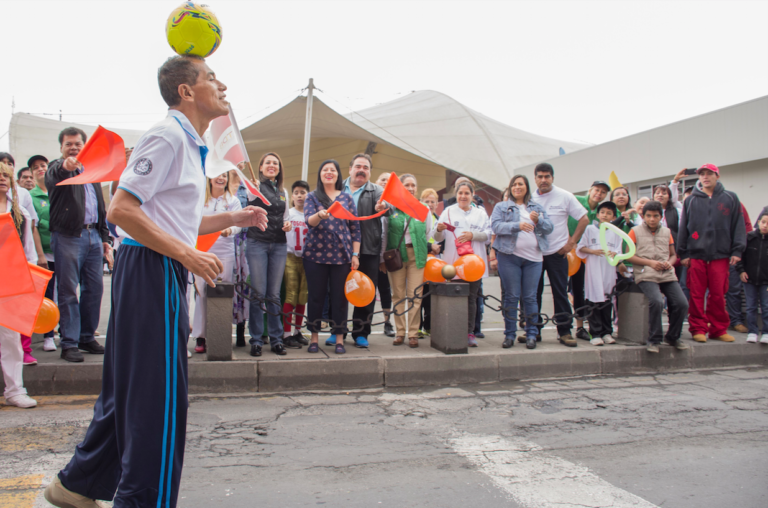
x,y
359,289
430,256
574,263
470,267
432,270
47,318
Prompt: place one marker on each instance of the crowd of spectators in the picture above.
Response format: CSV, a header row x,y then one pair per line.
x,y
696,254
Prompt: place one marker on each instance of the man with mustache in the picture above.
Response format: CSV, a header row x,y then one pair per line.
x,y
366,196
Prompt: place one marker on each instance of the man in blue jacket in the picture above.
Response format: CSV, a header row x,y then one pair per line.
x,y
711,238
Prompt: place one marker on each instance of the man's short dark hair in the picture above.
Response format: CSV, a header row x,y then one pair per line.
x,y
688,190
177,70
72,131
544,167
653,206
361,156
300,183
19,172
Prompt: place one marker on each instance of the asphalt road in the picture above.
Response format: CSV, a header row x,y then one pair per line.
x,y
693,440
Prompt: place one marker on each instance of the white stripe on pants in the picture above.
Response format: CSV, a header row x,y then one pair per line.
x,y
200,321
12,362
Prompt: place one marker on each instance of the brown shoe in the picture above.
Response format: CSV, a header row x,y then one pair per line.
x,y
58,495
398,341
413,342
740,328
724,337
567,340
700,337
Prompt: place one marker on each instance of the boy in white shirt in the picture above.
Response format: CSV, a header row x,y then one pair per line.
x,y
294,279
600,278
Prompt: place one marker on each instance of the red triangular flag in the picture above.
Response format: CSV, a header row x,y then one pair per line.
x,y
18,281
252,188
205,242
337,210
398,196
103,159
19,313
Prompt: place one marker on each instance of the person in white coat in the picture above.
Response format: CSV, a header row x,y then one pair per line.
x,y
218,199
465,223
11,352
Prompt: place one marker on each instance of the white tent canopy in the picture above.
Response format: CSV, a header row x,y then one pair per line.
x,y
424,133
33,135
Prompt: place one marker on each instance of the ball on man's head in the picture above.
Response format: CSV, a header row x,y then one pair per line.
x,y
193,29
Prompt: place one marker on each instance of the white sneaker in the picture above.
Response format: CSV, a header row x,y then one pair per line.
x,y
21,400
608,339
597,341
764,339
752,337
49,344
58,495
189,355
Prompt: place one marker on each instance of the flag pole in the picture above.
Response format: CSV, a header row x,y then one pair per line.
x,y
307,130
253,176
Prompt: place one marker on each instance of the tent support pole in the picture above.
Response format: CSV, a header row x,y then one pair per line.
x,y
307,131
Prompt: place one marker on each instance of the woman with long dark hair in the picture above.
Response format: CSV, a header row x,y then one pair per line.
x,y
266,253
332,248
521,227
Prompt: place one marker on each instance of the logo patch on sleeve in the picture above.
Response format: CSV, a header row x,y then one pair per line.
x,y
143,167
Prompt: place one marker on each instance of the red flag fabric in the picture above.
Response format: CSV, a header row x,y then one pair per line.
x,y
252,188
205,242
398,196
103,159
19,313
337,210
13,260
227,142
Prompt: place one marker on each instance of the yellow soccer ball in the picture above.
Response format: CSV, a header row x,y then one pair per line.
x,y
193,29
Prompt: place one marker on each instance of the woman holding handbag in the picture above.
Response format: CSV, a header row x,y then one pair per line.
x,y
469,231
405,258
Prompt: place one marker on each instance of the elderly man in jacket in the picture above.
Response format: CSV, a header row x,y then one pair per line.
x,y
711,239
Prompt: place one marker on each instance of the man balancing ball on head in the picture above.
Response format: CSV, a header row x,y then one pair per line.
x,y
134,448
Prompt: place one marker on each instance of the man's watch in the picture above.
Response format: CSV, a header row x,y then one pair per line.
x,y
356,254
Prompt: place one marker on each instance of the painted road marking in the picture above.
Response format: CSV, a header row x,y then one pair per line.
x,y
536,479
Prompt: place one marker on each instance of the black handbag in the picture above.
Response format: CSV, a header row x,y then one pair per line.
x,y
392,258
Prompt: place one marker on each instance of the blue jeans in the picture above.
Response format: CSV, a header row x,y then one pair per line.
x,y
733,297
266,263
520,278
756,295
78,263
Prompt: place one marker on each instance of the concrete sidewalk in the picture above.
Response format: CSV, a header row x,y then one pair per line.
x,y
382,364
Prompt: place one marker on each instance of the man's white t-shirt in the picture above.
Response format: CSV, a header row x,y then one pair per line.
x,y
296,237
559,205
166,173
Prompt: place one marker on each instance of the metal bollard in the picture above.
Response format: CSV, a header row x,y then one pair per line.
x,y
218,330
633,315
450,309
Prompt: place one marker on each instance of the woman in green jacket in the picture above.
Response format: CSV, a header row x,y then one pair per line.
x,y
414,249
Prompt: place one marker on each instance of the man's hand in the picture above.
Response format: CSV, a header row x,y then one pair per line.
x,y
535,217
680,174
250,216
658,266
287,226
494,264
568,247
42,262
71,164
686,262
744,277
226,232
355,262
734,260
203,264
441,226
622,269
108,254
466,236
526,226
383,267
380,206
435,248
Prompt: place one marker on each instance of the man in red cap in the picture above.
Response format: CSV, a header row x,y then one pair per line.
x,y
711,238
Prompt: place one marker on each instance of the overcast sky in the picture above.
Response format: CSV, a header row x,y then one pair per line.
x,y
579,71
